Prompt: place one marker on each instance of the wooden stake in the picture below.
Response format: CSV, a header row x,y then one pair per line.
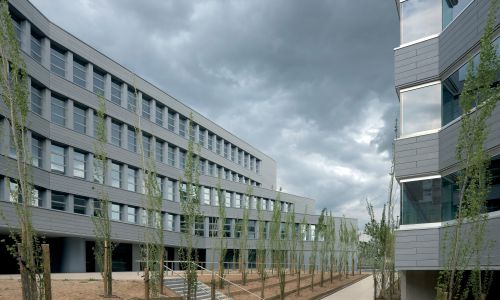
x,y
162,269
24,274
46,271
146,284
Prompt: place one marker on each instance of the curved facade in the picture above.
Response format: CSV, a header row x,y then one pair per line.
x,y
438,40
66,76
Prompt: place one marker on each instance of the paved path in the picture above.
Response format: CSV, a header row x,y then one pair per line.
x,y
361,290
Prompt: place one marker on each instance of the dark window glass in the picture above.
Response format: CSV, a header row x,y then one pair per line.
x,y
58,201
80,205
36,100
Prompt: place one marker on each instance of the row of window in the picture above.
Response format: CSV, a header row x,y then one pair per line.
x,y
118,131
81,67
136,215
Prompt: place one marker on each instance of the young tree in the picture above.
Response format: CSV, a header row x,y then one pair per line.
x,y
324,237
279,236
101,220
300,258
153,249
14,93
292,240
314,252
243,253
261,247
331,243
222,241
189,187
477,102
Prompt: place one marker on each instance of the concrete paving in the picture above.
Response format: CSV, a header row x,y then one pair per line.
x,y
361,290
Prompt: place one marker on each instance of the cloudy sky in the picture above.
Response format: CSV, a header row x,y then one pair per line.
x,y
310,83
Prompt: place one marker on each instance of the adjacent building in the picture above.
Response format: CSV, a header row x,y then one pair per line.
x,y
65,78
438,40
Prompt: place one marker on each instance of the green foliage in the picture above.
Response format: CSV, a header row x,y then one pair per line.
x,y
222,241
261,248
466,236
243,253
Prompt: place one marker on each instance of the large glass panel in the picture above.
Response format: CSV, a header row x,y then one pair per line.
x,y
420,109
452,8
57,62
419,19
79,119
421,201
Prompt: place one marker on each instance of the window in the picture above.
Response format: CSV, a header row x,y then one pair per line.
x,y
419,19
170,222
253,202
58,201
79,73
116,175
159,150
422,201
15,194
36,100
170,190
36,152
252,163
115,212
132,180
99,170
146,144
57,62
245,161
131,139
233,153
80,205
237,200
201,136
159,114
217,197
146,108
182,127
132,214
58,114
182,159
240,157
217,146
226,150
116,133
17,30
79,119
36,199
206,196
451,9
199,226
257,166
171,121
251,229
98,83
131,101
227,228
270,205
202,166
36,49
228,199
210,169
420,109
79,163
210,142
171,156
213,226
57,159
116,92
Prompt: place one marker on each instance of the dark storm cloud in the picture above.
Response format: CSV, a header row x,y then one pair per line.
x,y
311,82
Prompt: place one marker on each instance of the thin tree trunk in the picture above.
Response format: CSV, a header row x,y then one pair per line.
x,y
46,272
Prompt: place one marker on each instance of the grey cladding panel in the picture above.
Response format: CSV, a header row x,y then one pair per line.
x,y
416,62
424,159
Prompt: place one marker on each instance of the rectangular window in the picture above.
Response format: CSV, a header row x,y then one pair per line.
x,y
206,195
226,150
116,175
170,190
257,166
80,205
201,136
237,200
245,161
57,159
270,205
159,150
14,193
420,109
210,142
132,180
36,49
252,162
199,226
228,199
217,146
212,226
98,83
36,199
79,73
132,214
79,163
210,169
58,113
240,157
146,108
116,92
253,202
420,19
131,101
58,201
251,229
115,212
171,121
79,119
36,100
98,170
182,127
182,159
17,30
116,133
36,151
146,144
170,222
131,139
159,114
202,167
171,156
227,228
57,62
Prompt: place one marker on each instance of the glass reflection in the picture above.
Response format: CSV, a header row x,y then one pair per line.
x,y
421,109
452,8
421,201
419,19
